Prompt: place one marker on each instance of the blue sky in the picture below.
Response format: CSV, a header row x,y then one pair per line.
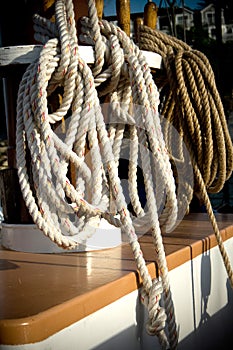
x,y
138,5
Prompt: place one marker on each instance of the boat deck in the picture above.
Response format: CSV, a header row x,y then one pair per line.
x,y
40,294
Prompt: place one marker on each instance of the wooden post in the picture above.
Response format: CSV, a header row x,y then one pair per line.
x,y
14,208
137,24
123,15
99,7
150,14
150,18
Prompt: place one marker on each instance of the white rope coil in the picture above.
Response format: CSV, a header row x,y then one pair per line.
x,y
62,209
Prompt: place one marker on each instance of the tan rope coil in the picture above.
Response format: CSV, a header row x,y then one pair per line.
x,y
191,102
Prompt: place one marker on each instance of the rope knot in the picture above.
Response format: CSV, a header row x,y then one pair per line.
x,y
157,316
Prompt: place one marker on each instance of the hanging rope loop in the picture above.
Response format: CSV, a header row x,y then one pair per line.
x,y
157,316
69,212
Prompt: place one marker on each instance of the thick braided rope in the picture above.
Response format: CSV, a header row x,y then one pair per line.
x,y
191,101
97,39
90,198
108,29
139,94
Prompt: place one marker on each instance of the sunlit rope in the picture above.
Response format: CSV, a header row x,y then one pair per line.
x,y
92,144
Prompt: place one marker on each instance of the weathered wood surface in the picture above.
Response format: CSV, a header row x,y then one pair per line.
x,y
150,14
99,7
26,54
123,15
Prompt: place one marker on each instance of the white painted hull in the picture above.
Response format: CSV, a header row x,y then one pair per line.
x,y
203,303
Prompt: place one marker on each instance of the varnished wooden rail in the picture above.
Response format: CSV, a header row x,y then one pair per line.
x,y
41,294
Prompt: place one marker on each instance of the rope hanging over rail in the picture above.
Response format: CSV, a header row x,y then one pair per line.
x,y
190,101
62,209
95,135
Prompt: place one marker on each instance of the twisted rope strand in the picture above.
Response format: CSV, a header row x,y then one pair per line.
x,y
93,143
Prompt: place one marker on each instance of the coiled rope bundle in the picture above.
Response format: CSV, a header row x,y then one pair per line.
x,y
62,209
190,101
